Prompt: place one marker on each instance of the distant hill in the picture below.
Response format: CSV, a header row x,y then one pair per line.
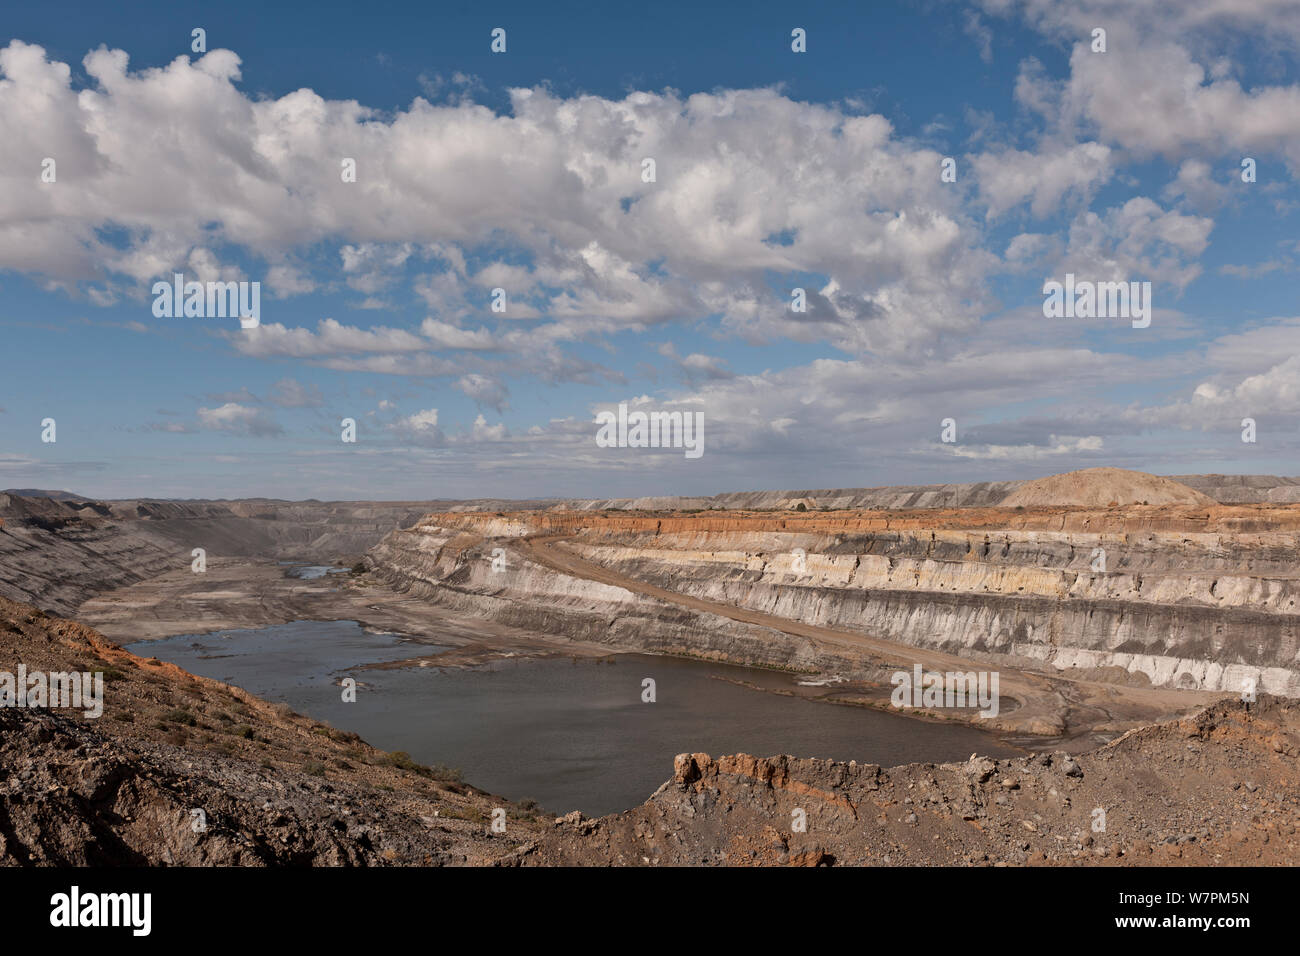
x,y
42,493
1102,487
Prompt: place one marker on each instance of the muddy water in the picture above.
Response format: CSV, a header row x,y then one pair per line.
x,y
570,734
309,572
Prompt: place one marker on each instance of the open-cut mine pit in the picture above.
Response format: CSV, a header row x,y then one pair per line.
x,y
1150,637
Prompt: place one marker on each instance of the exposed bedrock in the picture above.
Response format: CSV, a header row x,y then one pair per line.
x,y
1207,610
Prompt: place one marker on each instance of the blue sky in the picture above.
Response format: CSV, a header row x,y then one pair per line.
x,y
522,171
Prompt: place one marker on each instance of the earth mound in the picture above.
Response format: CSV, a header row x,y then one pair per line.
x,y
1104,487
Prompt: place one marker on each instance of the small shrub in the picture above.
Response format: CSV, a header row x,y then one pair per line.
x,y
444,773
402,761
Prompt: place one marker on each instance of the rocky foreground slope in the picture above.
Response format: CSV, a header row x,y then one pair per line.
x,y
274,787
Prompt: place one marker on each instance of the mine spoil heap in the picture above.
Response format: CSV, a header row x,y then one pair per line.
x,y
1104,487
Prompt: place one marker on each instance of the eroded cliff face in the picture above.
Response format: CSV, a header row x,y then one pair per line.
x,y
1180,597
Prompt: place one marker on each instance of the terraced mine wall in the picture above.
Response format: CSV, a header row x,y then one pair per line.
x,y
1205,599
456,570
